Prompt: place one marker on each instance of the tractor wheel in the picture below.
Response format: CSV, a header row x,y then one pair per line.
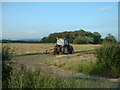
x,y
62,49
65,51
71,50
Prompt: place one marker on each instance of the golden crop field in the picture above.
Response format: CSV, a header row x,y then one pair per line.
x,y
24,48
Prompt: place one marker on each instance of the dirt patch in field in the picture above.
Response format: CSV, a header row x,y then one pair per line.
x,y
35,62
30,60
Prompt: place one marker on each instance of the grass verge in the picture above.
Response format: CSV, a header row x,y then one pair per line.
x,y
25,78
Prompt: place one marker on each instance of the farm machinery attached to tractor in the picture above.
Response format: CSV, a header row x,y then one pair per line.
x,y
63,46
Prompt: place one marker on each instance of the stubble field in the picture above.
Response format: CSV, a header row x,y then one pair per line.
x,y
24,48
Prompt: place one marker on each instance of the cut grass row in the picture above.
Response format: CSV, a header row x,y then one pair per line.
x,y
85,51
27,54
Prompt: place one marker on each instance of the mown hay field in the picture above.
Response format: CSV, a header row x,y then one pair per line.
x,y
24,48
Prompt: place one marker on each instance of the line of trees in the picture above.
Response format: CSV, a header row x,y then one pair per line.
x,y
18,41
79,37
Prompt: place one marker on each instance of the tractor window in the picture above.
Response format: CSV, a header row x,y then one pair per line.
x,y
66,42
60,42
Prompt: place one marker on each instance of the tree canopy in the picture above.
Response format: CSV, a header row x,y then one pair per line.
x,y
78,37
109,38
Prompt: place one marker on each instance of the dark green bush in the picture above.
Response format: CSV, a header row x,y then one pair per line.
x,y
108,56
7,54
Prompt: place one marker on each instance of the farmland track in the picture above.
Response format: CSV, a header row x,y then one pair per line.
x,y
34,61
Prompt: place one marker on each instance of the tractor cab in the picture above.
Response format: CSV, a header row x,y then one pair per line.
x,y
62,42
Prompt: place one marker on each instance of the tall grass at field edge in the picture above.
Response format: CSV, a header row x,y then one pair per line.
x,y
25,78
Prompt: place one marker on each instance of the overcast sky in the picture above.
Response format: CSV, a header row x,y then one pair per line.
x,y
27,20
